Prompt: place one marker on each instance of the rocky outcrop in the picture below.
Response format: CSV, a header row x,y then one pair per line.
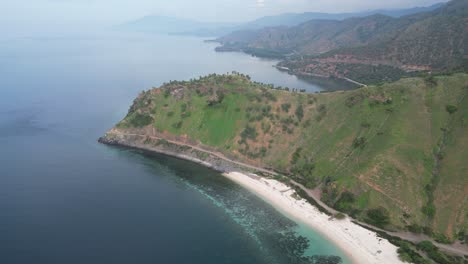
x,y
116,137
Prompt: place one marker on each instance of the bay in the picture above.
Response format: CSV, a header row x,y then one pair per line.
x,y
64,198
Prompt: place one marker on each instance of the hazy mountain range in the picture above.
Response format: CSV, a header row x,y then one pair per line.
x,y
171,25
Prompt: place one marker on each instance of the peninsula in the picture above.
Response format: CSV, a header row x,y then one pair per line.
x,y
390,158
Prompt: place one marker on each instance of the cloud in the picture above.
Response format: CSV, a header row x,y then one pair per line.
x,y
260,3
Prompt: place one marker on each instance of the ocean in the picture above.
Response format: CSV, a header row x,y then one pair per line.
x,y
64,198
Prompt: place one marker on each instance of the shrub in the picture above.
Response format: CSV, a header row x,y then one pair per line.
x,y
186,114
415,228
296,155
345,202
430,80
322,108
300,112
263,151
322,111
167,92
441,238
353,100
429,210
266,127
249,132
183,108
270,96
347,197
451,109
359,142
406,253
266,110
462,236
140,120
426,246
427,230
177,125
365,124
304,170
220,95
307,123
434,253
286,107
378,216
340,216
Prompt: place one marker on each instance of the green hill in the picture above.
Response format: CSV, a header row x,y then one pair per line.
x,y
399,149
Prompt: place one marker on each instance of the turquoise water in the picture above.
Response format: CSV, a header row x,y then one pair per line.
x,y
64,198
319,246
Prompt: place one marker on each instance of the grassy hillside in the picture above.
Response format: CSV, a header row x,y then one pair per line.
x,y
393,155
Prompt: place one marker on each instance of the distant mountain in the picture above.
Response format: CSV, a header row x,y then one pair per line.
x,y
435,40
170,25
313,37
294,19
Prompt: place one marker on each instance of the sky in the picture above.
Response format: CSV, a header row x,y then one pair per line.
x,y
29,13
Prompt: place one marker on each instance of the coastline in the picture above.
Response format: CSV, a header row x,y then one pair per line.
x,y
361,245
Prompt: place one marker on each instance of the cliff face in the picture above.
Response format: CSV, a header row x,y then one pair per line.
x,y
399,148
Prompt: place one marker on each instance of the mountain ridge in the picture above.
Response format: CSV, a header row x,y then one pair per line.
x,y
431,41
172,25
293,19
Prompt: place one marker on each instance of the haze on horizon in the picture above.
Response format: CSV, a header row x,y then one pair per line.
x,y
55,13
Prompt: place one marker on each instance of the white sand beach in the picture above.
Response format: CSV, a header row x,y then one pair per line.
x,y
362,246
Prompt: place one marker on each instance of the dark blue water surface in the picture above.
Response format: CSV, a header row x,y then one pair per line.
x,y
64,198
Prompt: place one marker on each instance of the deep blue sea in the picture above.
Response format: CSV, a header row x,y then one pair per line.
x,y
64,198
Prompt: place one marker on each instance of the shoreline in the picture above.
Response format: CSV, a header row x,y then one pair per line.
x,y
360,245
304,74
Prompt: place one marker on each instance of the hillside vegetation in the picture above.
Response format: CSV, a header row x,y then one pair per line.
x,y
376,46
392,155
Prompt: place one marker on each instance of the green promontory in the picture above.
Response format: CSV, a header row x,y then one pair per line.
x,y
393,155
